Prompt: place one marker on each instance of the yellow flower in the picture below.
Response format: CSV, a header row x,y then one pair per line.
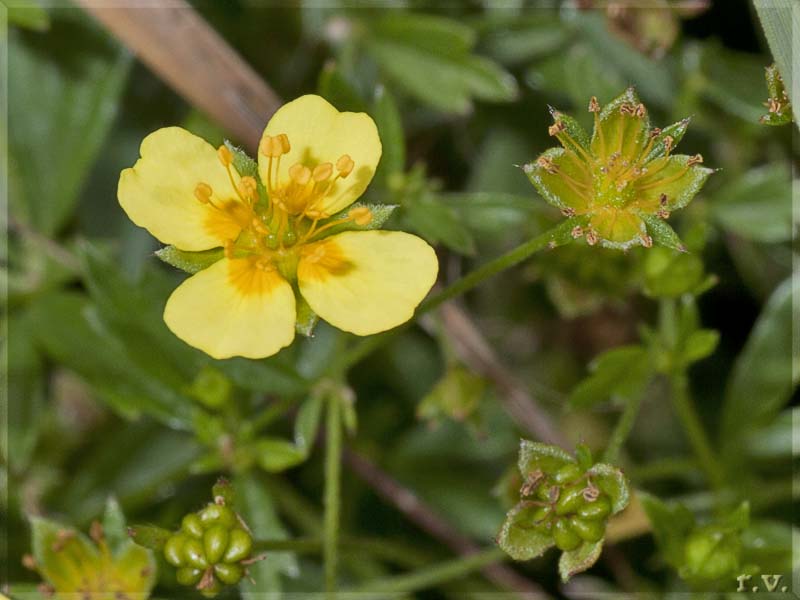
x,y
281,231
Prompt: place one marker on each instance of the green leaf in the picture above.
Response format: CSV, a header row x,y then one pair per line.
x,y
275,455
438,223
699,345
621,372
257,507
765,373
455,396
535,456
190,262
613,483
670,274
211,387
434,34
306,424
779,19
519,538
149,536
579,560
390,127
662,233
270,376
757,205
514,40
61,114
27,14
334,86
672,523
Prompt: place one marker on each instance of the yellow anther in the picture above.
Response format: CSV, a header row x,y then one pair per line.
x,y
594,105
300,174
345,165
225,156
270,146
259,226
248,187
322,171
361,215
202,192
284,142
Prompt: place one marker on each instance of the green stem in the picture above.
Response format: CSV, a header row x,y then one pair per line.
x,y
685,409
430,576
556,236
333,464
622,429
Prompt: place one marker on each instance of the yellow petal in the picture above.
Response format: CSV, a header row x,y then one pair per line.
x,y
367,281
232,308
319,133
158,192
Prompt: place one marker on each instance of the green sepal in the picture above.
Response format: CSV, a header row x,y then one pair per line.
x,y
561,235
578,560
583,455
306,319
380,214
580,142
613,483
190,262
149,536
243,164
114,527
662,233
519,538
676,131
535,456
62,554
223,490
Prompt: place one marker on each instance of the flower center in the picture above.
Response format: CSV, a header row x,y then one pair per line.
x,y
273,233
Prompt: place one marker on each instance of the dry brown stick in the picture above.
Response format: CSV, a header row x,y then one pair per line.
x,y
472,348
427,519
185,51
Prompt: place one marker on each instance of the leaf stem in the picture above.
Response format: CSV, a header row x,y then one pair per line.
x,y
333,465
687,413
623,428
430,576
555,236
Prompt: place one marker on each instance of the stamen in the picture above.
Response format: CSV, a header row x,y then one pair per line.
x,y
556,128
576,232
225,156
300,174
361,215
647,241
284,141
594,105
247,188
322,171
591,237
547,164
695,160
202,192
345,165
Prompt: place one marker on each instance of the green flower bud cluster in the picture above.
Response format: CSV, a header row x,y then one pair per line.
x,y
571,508
211,549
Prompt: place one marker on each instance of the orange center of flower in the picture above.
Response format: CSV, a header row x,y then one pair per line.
x,y
269,235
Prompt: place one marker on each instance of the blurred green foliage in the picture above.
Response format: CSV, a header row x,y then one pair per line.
x,y
103,401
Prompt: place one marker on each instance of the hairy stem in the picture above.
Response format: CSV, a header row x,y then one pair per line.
x,y
622,429
333,455
431,576
685,409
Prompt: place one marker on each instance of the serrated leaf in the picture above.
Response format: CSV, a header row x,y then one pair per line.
x,y
519,538
190,262
579,560
613,483
620,372
544,457
662,233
